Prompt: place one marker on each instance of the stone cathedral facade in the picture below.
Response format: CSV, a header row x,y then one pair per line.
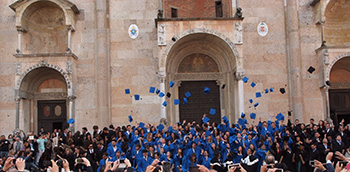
x,y
73,59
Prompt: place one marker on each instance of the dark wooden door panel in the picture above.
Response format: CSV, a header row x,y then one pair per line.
x,y
52,114
199,103
339,101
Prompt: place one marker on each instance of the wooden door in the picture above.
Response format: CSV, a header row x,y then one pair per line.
x,y
339,101
199,103
52,114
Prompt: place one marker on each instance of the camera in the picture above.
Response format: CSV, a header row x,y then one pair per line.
x,y
344,163
79,161
269,166
312,163
279,170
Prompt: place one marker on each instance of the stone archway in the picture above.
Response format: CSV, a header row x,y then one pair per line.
x,y
39,83
228,77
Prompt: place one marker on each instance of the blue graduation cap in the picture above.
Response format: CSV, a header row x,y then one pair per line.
x,y
251,100
157,91
252,115
207,133
266,91
141,125
127,91
241,121
176,101
271,89
152,89
245,79
171,84
280,116
130,118
161,94
205,119
258,94
164,103
242,115
188,94
137,97
212,111
160,127
253,84
225,119
70,121
185,101
206,90
256,104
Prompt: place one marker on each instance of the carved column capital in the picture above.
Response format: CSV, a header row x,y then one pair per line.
x,y
17,99
71,98
239,74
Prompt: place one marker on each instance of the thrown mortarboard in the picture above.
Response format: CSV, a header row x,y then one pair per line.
x,y
241,121
70,121
141,125
282,90
266,90
168,94
137,97
206,120
311,69
130,118
157,91
225,119
251,100
258,94
171,84
245,79
185,101
280,116
206,90
212,111
188,94
164,103
161,94
271,89
242,115
160,127
176,101
256,104
252,115
127,91
152,89
253,84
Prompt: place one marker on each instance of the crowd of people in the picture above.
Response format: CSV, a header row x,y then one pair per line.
x,y
273,145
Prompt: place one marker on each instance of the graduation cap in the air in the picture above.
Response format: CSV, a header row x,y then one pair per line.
x,y
188,94
280,116
161,94
258,94
160,127
70,121
271,89
245,79
241,121
225,119
176,101
185,101
252,115
164,103
266,90
206,90
242,115
152,89
171,84
137,97
168,94
206,120
157,91
127,91
253,84
251,100
311,69
141,125
212,111
130,118
282,90
256,104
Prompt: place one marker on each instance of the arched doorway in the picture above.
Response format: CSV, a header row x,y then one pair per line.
x,y
339,91
43,96
199,60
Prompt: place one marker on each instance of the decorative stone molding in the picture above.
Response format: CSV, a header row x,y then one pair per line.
x,y
71,98
18,68
239,74
69,67
198,76
325,56
48,96
330,66
161,34
238,33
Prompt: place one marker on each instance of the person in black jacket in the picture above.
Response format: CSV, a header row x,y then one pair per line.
x,y
250,162
216,163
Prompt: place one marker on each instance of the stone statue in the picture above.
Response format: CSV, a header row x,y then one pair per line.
x,y
161,34
18,68
238,33
69,66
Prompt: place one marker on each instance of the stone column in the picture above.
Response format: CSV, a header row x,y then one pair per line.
x,y
326,91
102,63
69,48
17,99
162,89
19,48
71,111
239,76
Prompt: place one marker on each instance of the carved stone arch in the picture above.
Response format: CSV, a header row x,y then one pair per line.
x,y
67,7
330,66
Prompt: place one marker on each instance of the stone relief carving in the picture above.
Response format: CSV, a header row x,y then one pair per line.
x,y
326,57
238,33
18,68
239,74
197,76
69,67
161,34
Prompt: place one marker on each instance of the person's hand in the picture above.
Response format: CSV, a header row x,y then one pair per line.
x,y
127,162
329,156
150,168
54,167
108,166
115,165
8,164
340,156
86,162
65,165
155,162
202,168
20,163
338,167
263,168
319,165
